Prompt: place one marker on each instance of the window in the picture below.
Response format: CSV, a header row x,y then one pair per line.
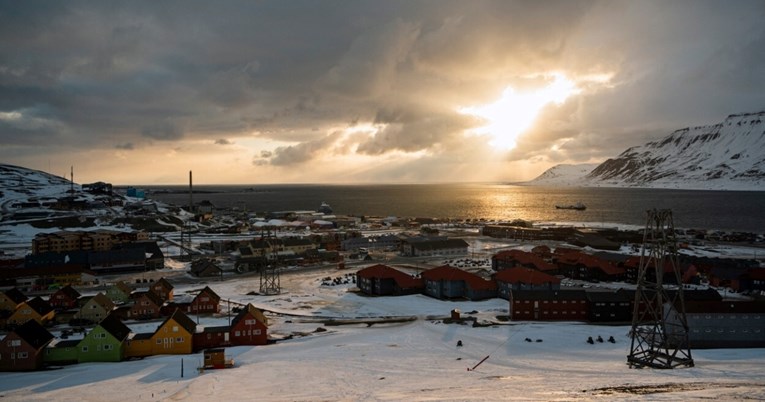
x,y
238,333
22,355
159,341
175,328
108,347
179,340
14,342
85,349
257,332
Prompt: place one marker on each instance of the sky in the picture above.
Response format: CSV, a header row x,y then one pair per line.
x,y
245,92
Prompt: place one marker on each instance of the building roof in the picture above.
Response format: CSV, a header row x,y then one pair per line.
x,y
202,265
380,271
15,295
103,301
183,320
222,328
252,311
69,292
449,273
34,334
113,325
69,343
153,297
39,305
142,336
524,275
209,292
123,287
756,273
165,284
525,258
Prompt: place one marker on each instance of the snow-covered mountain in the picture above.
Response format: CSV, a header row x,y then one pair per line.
x,y
725,156
565,175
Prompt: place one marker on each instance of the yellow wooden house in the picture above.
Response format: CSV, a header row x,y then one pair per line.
x,y
139,345
35,309
175,336
10,299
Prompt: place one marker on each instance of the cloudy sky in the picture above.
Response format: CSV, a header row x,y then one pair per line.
x,y
362,91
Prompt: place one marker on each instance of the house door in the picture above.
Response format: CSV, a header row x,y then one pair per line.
x,y
536,309
226,337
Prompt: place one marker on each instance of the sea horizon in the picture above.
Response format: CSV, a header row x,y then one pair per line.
x,y
709,209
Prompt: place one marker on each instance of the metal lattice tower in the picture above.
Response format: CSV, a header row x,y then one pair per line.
x,y
269,280
270,283
186,250
659,325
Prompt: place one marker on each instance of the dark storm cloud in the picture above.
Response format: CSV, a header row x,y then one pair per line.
x,y
128,146
163,131
95,74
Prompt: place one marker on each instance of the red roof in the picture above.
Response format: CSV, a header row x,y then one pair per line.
x,y
756,273
634,262
448,273
525,275
380,271
525,258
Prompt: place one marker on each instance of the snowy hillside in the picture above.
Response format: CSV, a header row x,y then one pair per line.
x,y
18,184
725,156
410,360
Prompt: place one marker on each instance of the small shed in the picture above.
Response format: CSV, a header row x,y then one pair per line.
x,y
216,359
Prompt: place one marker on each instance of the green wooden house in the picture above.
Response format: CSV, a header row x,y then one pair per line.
x,y
96,308
61,352
119,293
105,342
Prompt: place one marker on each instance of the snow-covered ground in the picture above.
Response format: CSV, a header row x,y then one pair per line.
x,y
416,359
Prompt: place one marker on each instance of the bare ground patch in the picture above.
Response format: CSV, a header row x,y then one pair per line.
x,y
649,389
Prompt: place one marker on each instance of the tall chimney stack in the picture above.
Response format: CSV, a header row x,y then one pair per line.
x,y
191,191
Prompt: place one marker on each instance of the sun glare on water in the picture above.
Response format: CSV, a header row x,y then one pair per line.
x,y
515,111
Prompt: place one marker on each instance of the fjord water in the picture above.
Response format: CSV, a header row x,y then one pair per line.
x,y
721,210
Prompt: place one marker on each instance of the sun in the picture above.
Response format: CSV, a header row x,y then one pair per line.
x,y
515,111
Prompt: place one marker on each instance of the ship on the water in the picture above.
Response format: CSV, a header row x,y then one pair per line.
x,y
578,206
325,208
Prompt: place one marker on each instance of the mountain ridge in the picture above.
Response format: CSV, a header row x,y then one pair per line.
x,y
729,155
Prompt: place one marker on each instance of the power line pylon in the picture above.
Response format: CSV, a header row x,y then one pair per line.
x,y
659,325
270,282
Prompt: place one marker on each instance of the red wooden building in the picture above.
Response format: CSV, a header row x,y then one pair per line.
x,y
146,305
249,327
22,349
64,298
212,337
549,305
205,302
163,289
383,280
